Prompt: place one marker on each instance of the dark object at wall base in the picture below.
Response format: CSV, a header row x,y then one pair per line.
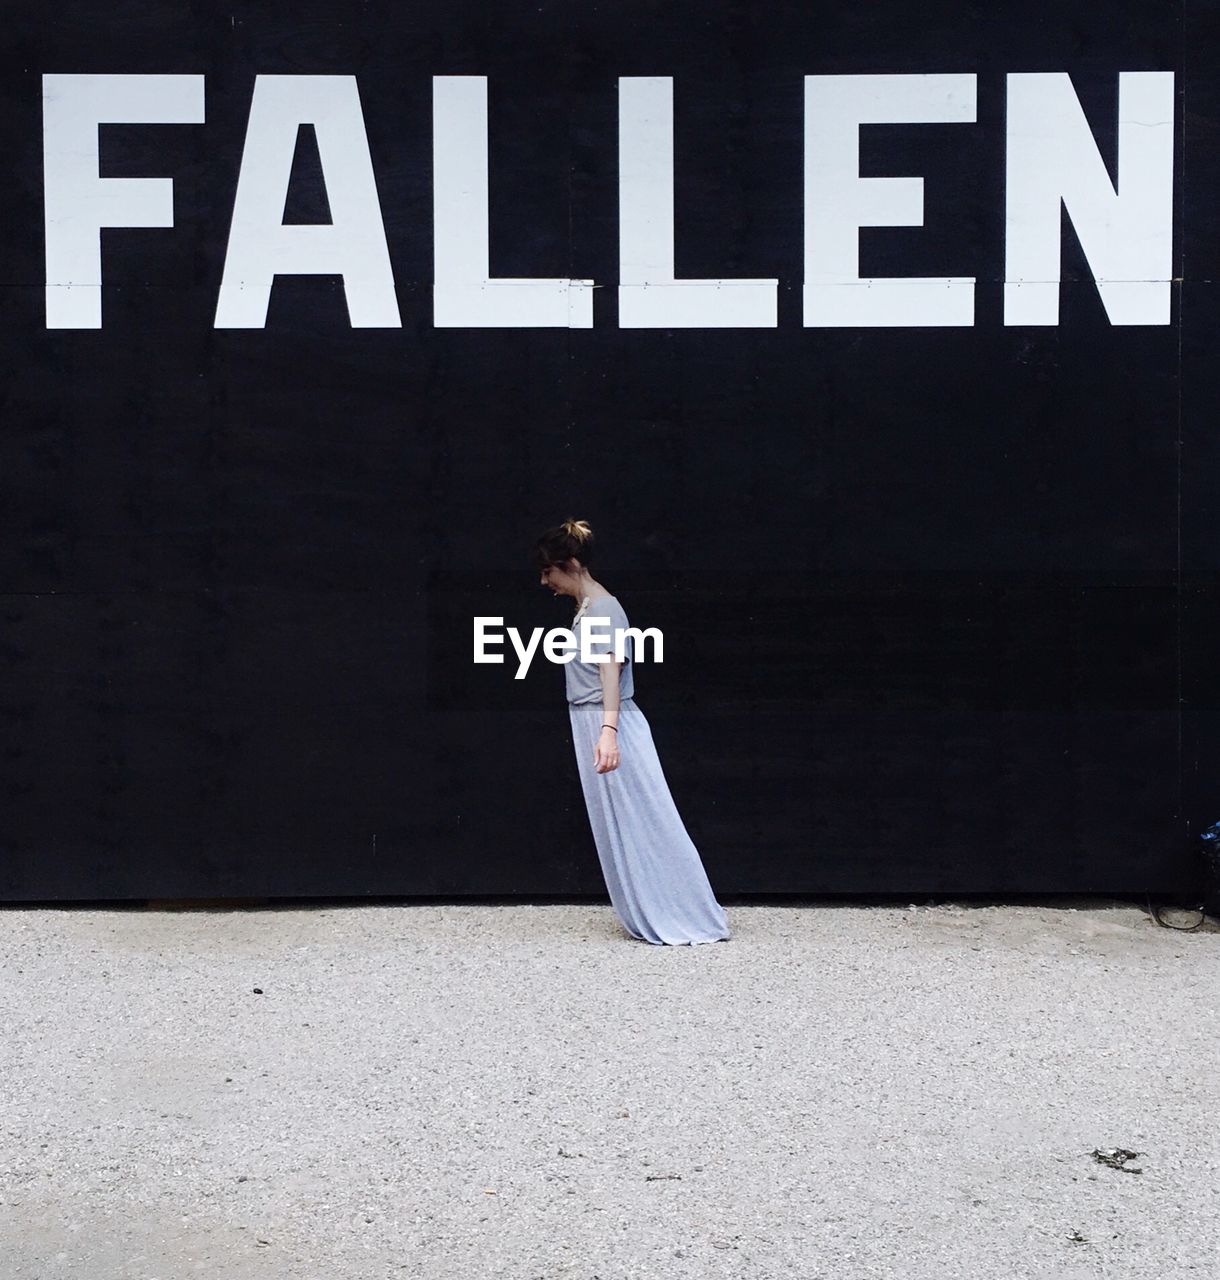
x,y
1211,870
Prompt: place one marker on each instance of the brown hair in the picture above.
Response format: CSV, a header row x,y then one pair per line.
x,y
572,540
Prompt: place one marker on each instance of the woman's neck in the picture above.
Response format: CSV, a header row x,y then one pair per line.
x,y
590,589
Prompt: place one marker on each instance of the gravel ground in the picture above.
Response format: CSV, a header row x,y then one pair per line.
x,y
523,1092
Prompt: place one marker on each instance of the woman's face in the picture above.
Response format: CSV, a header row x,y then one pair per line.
x,y
560,578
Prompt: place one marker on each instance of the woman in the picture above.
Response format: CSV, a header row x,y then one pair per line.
x,y
657,883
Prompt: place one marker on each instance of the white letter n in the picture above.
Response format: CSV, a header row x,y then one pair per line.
x,y
1126,232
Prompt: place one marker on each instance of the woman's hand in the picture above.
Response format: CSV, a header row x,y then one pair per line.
x,y
606,754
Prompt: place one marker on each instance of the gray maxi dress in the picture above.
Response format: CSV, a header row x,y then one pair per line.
x,y
658,886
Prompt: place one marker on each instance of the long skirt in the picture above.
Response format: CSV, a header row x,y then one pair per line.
x,y
658,887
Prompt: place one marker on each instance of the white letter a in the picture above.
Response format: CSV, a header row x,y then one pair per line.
x,y
353,245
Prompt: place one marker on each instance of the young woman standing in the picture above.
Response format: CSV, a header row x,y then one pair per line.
x,y
658,886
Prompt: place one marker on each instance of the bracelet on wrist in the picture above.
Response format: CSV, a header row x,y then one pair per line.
x,y
611,726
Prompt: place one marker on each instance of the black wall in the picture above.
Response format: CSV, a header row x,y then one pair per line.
x,y
938,603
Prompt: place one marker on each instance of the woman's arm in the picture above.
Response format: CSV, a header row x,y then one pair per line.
x,y
606,754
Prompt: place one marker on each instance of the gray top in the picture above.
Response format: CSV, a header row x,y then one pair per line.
x,y
584,681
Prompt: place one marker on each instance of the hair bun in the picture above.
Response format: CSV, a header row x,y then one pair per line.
x,y
571,540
